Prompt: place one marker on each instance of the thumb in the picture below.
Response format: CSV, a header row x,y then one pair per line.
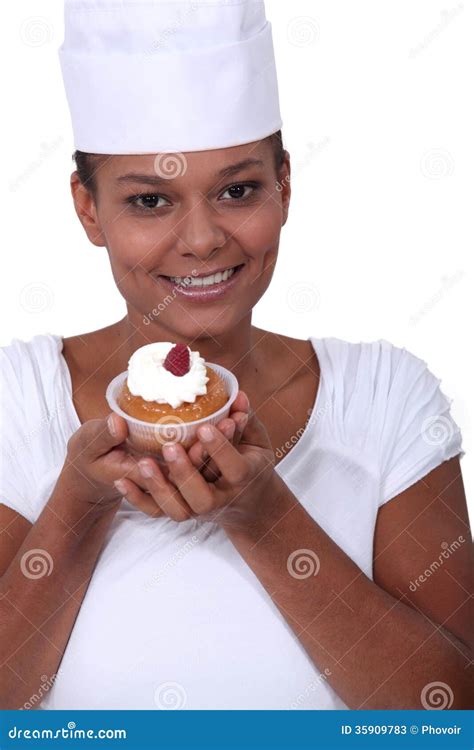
x,y
101,435
255,432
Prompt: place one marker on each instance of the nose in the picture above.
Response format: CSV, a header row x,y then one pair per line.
x,y
199,233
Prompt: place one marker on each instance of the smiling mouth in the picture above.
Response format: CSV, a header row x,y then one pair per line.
x,y
203,282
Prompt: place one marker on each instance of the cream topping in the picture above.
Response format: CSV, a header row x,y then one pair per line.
x,y
148,378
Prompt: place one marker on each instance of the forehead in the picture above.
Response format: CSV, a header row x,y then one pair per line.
x,y
189,165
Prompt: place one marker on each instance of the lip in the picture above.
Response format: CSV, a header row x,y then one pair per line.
x,y
205,293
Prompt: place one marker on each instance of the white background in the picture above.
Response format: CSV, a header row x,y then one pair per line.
x,y
376,103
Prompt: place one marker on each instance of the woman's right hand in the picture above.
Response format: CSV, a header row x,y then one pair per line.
x,y
96,457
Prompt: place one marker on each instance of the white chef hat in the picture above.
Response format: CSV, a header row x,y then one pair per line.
x,y
148,76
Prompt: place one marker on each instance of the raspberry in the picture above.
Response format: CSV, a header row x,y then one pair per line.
x,y
177,360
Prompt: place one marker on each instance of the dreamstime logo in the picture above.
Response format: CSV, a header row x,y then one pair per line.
x,y
148,318
436,164
446,17
311,687
171,165
313,416
448,550
314,150
303,563
46,150
302,297
172,562
36,31
36,297
290,443
302,31
437,430
170,696
44,422
169,429
170,31
437,696
45,685
36,563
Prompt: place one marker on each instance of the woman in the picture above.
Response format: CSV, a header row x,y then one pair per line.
x,y
265,567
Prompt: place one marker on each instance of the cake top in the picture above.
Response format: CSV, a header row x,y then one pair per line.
x,y
167,373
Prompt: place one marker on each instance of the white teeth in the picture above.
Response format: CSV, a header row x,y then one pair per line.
x,y
215,278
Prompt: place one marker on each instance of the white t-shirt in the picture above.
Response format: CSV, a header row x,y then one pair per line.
x,y
173,616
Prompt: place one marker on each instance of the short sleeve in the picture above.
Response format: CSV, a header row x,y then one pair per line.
x,y
419,432
15,482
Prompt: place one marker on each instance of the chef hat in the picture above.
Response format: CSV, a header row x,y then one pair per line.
x,y
148,76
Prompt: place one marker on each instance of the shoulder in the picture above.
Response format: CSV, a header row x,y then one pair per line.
x,y
358,380
30,379
384,401
20,357
380,374
388,368
27,390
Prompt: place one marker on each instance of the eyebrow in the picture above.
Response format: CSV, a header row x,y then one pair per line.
x,y
149,179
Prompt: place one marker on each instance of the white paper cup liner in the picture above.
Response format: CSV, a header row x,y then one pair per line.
x,y
148,438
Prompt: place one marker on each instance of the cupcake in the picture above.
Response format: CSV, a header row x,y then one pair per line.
x,y
170,380
167,392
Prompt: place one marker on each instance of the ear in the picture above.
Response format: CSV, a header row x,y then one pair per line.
x,y
87,211
285,182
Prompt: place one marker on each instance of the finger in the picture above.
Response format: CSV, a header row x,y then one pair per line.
x,y
240,403
228,431
255,432
239,408
197,453
135,496
135,475
229,461
210,474
164,494
191,484
240,418
98,436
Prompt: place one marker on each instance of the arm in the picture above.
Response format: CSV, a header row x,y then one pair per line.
x,y
383,647
43,586
37,614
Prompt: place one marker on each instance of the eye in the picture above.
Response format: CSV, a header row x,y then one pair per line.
x,y
150,201
237,191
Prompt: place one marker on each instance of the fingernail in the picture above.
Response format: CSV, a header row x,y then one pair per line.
x,y
111,425
206,433
246,399
170,453
243,421
120,486
146,470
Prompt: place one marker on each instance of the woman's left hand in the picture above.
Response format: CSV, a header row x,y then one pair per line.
x,y
232,427
245,469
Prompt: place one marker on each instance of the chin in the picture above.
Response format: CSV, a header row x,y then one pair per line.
x,y
201,329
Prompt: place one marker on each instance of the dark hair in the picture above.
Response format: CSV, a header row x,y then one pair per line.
x,y
87,164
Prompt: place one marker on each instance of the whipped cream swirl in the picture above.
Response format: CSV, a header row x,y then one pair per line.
x,y
149,379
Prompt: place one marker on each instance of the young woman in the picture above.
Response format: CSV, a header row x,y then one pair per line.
x,y
265,568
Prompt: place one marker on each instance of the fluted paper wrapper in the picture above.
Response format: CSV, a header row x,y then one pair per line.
x,y
148,438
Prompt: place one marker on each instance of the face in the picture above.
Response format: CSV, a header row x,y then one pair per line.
x,y
189,215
